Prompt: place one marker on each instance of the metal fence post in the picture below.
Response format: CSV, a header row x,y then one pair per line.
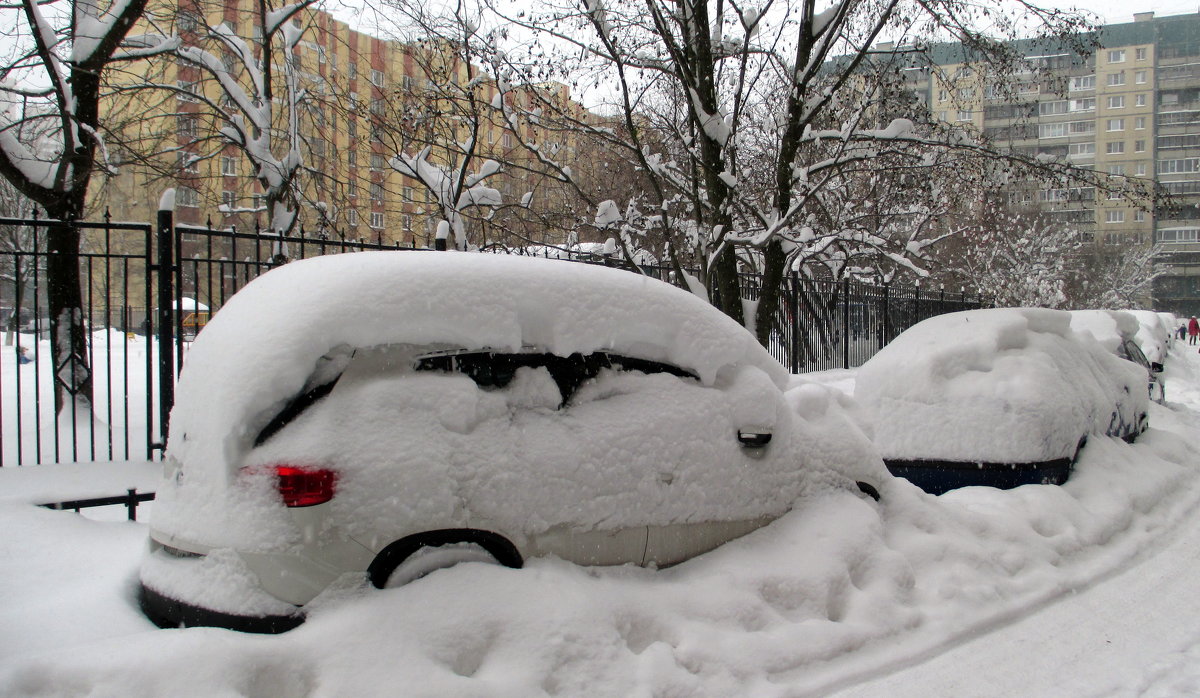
x,y
795,328
887,336
166,327
846,322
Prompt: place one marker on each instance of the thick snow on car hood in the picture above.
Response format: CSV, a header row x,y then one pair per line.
x,y
1109,327
261,348
999,385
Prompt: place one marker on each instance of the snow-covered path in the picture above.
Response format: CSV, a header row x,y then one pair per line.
x,y
1134,634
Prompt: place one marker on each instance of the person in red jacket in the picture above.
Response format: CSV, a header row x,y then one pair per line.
x,y
1193,330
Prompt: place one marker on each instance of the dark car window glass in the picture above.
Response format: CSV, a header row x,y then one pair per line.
x,y
1132,352
496,370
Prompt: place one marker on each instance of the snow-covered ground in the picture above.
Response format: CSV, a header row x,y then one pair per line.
x,y
1077,590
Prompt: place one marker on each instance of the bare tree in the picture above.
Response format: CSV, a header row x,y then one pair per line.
x,y
250,92
771,123
57,66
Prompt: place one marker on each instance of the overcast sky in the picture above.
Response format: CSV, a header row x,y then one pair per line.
x,y
1118,11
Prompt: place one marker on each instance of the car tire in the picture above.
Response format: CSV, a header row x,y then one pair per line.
x,y
413,557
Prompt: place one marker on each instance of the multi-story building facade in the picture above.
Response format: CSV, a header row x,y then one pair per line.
x,y
365,100
1131,108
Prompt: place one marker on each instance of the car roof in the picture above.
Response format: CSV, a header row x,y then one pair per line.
x,y
262,347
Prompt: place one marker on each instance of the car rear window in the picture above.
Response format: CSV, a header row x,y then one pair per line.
x,y
496,370
490,370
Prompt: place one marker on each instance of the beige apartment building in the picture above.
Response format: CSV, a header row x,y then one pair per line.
x,y
1132,108
367,99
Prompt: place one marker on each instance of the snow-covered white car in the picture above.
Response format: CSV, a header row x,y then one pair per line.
x,y
1117,331
1000,397
376,416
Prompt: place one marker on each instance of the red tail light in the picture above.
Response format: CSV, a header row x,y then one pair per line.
x,y
305,487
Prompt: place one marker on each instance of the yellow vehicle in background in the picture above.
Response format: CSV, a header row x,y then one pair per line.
x,y
193,322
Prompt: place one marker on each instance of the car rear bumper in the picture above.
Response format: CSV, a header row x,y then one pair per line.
x,y
940,476
167,612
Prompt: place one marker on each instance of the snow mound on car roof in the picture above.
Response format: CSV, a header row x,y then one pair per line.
x,y
1109,327
264,344
999,385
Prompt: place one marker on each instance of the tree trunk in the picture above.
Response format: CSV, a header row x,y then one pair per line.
x,y
68,335
772,286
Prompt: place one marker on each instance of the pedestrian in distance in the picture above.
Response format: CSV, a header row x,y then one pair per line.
x,y
1193,330
1182,331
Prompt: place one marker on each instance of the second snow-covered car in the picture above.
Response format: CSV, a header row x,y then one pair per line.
x,y
1118,332
1000,397
377,416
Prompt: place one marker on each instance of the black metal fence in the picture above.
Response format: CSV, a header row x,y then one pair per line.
x,y
149,289
822,323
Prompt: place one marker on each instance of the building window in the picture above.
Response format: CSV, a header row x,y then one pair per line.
x,y
1082,149
1139,123
1178,166
407,193
228,201
377,106
507,141
229,166
1117,102
964,115
333,61
376,161
377,77
352,69
187,21
352,187
1139,146
1116,170
1115,148
1139,101
1085,104
376,191
352,127
352,158
1052,130
1083,82
1116,124
943,95
1116,79
1141,53
186,196
1139,216
1051,108
321,58
1114,216
1140,77
187,125
186,162
406,223
376,219
1140,169
352,217
1117,56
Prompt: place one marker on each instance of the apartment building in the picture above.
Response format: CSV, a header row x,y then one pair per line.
x,y
1131,108
366,99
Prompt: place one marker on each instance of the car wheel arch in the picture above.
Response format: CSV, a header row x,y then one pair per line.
x,y
395,553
